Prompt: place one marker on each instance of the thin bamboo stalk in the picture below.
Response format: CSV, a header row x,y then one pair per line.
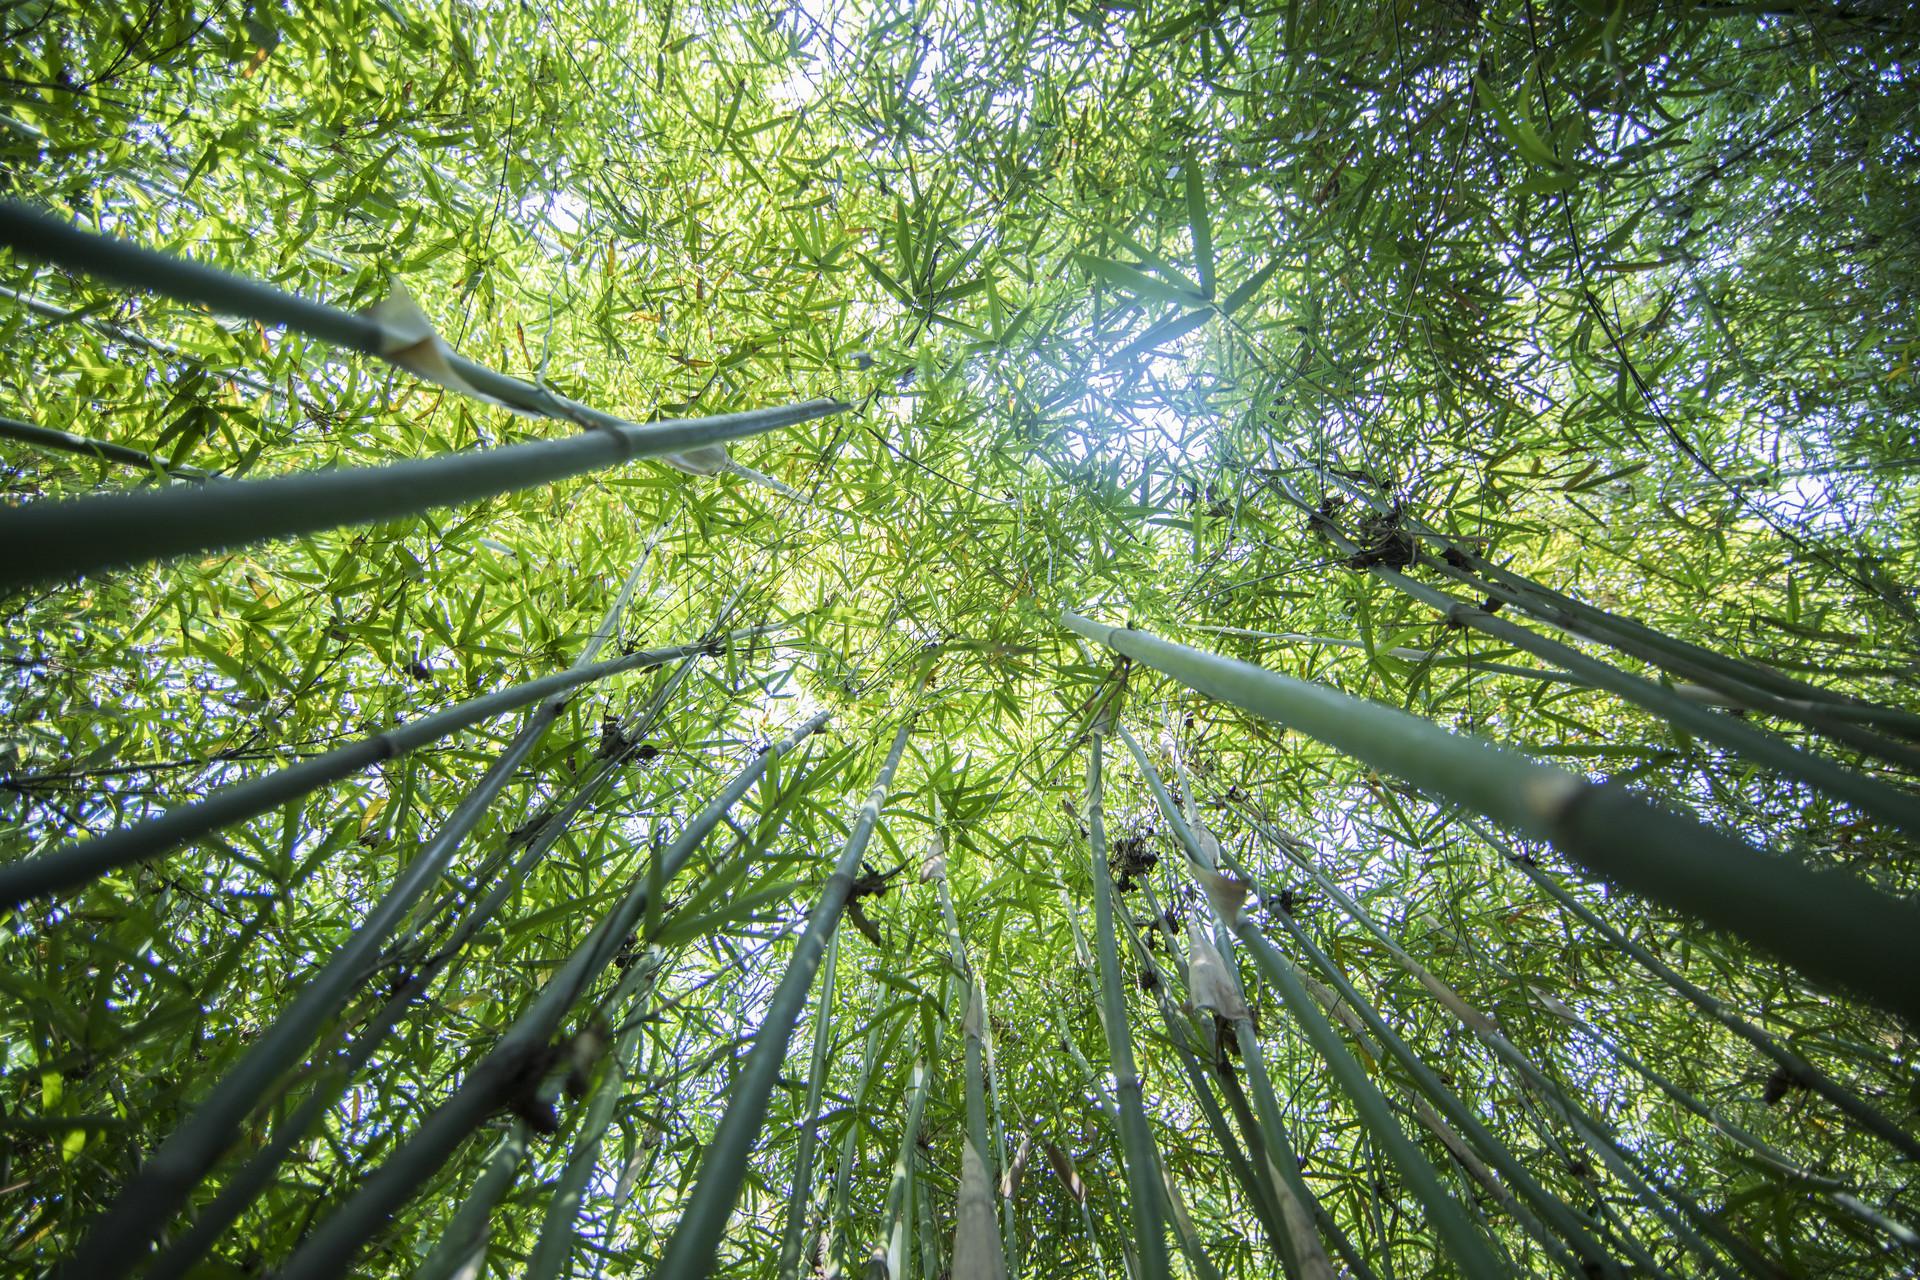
x,y
1571,1226
330,1250
463,1242
253,1177
1468,1247
1761,747
899,1215
1800,1070
53,541
1145,1191
1835,929
978,1252
1597,1260
36,235
1677,1210
800,1197
558,1236
1745,682
1464,559
689,1253
120,333
1789,1170
71,866
104,450
119,1239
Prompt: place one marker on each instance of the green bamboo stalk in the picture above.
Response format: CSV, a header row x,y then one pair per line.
x,y
1679,1211
1592,1258
689,1253
1565,1220
104,450
1296,1211
1184,1231
1800,1070
120,333
901,1202
836,1250
978,1252
1458,1236
1597,1259
1869,794
1484,1027
1835,929
119,1239
253,1177
965,975
1741,680
74,865
633,727
558,1235
1790,1170
47,239
1468,1246
54,541
330,1250
1143,1179
800,1198
463,1242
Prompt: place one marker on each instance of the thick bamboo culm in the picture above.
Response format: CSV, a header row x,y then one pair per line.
x,y
1833,928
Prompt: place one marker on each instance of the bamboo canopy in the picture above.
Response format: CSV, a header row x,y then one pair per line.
x,y
975,641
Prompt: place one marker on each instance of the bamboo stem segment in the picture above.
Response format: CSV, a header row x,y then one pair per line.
x,y
1146,1190
689,1254
47,542
74,865
1833,928
330,1250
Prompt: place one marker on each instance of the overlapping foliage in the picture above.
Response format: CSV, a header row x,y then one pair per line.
x,y
1620,295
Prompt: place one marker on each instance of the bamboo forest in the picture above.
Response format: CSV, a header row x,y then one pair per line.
x,y
959,639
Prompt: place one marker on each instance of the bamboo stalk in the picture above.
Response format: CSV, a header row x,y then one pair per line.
x,y
836,1251
1797,1068
558,1236
1745,682
119,1239
1835,929
53,541
1571,1226
71,866
120,333
1679,1211
36,235
800,1197
103,450
1869,794
330,1250
689,1253
463,1242
253,1177
1145,1191
1597,1261
978,1252
1784,1165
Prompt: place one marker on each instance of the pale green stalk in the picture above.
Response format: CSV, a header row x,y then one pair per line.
x,y
1145,1192
690,1250
1834,928
334,1244
461,1249
558,1234
800,1197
